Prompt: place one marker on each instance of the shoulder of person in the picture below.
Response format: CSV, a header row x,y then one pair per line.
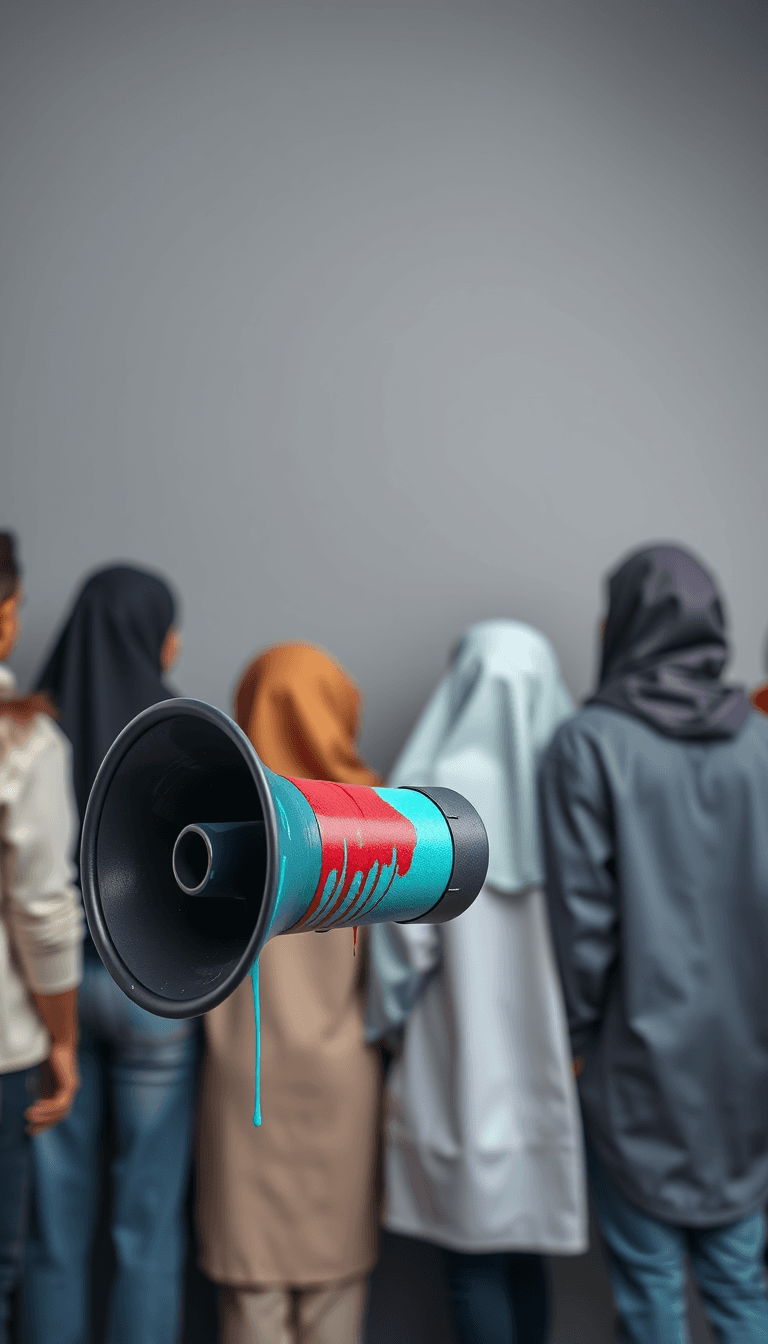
x,y
585,727
757,720
26,746
590,744
755,730
51,736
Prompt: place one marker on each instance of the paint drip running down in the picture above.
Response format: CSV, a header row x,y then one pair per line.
x,y
359,832
257,1024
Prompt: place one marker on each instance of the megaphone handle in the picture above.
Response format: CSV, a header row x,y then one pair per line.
x,y
257,1022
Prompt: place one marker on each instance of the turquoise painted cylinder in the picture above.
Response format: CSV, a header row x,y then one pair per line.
x,y
352,854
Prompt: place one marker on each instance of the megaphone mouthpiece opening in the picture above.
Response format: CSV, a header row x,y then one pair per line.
x,y
221,858
192,860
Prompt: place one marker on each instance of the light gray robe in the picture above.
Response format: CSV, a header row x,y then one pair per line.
x,y
483,1138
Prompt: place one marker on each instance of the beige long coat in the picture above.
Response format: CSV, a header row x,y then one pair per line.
x,y
294,1202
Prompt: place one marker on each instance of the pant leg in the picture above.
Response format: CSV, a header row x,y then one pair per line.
x,y
250,1317
17,1092
151,1085
481,1295
728,1265
530,1297
65,1188
331,1315
645,1262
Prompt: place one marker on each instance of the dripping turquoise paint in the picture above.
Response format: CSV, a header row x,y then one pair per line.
x,y
257,1020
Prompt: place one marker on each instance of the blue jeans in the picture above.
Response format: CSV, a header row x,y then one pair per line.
x,y
17,1091
647,1268
143,1067
499,1297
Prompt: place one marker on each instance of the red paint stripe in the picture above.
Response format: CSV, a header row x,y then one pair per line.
x,y
374,832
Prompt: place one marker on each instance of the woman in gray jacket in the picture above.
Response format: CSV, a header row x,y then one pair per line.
x,y
655,820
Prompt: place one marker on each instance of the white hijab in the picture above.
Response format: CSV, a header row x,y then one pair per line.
x,y
483,733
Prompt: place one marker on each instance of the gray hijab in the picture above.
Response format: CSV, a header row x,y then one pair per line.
x,y
664,647
484,732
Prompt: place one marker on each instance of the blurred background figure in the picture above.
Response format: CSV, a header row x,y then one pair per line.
x,y
137,1069
288,1212
655,812
41,930
483,1143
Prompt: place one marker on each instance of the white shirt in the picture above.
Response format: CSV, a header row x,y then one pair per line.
x,y
41,921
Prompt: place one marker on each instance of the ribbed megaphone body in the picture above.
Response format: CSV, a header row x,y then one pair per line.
x,y
194,854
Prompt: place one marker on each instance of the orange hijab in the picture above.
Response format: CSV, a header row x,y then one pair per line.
x,y
301,712
759,698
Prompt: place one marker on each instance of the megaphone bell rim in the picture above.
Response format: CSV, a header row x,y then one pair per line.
x,y
121,973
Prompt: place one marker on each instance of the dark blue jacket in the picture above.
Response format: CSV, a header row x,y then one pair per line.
x,y
657,881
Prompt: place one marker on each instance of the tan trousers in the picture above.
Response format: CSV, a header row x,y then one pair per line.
x,y
328,1315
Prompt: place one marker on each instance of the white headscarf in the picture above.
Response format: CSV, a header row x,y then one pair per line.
x,y
483,733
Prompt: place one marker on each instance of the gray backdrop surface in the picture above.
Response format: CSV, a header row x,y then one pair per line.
x,y
365,320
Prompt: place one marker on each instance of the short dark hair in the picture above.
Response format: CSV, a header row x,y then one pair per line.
x,y
10,574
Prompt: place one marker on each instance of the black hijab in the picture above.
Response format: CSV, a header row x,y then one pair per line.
x,y
664,647
105,667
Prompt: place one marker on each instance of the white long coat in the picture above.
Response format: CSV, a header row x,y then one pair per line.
x,y
483,1136
483,1141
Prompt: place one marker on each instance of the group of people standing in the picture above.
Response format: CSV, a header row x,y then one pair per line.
x,y
596,1018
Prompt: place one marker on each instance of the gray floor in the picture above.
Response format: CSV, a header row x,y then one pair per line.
x,y
408,1301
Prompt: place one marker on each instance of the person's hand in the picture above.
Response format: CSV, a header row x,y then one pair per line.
x,y
60,1075
577,1067
61,1079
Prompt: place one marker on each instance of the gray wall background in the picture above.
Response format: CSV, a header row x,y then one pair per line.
x,y
366,320
363,321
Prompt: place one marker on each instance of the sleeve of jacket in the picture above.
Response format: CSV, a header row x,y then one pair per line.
x,y
43,910
402,956
579,858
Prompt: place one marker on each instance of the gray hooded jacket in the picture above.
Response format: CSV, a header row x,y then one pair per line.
x,y
656,845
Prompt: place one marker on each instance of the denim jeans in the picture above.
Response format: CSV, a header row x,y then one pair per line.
x,y
646,1262
17,1091
142,1066
499,1297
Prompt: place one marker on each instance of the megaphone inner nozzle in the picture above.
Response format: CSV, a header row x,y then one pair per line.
x,y
192,860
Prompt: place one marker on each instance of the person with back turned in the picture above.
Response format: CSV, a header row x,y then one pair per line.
x,y
655,820
136,1097
288,1212
41,930
483,1152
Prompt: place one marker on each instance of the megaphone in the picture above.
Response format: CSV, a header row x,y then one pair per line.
x,y
194,854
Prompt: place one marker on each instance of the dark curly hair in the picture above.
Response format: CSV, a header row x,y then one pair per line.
x,y
10,574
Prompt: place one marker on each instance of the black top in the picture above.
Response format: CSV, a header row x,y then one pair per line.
x,y
665,647
105,667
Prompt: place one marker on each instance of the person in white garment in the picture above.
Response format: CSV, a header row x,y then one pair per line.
x,y
41,933
483,1140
